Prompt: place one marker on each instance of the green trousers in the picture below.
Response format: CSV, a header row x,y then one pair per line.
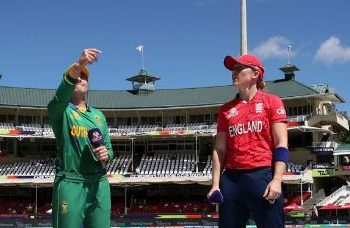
x,y
79,200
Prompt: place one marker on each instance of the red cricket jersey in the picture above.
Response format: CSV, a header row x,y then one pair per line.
x,y
248,130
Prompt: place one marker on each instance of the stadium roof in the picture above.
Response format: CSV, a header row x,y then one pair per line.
x,y
158,99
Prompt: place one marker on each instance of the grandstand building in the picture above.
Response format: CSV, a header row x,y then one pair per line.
x,y
163,140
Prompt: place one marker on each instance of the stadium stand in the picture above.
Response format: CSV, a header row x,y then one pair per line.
x,y
294,169
47,131
170,205
119,165
208,166
340,197
165,137
7,126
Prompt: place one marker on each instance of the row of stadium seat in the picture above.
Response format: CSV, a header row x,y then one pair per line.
x,y
119,165
151,205
156,164
208,166
190,126
29,168
171,205
7,126
160,163
24,206
294,169
16,206
121,130
134,127
296,198
167,164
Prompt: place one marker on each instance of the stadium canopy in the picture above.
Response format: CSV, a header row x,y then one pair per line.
x,y
342,149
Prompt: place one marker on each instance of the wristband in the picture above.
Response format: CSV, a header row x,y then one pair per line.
x,y
280,154
69,79
83,69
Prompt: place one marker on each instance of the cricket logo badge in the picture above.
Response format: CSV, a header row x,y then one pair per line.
x,y
96,137
258,107
98,120
64,208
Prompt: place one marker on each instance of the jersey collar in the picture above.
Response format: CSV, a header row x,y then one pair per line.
x,y
256,95
73,106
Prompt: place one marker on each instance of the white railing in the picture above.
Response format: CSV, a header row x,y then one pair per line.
x,y
325,144
298,118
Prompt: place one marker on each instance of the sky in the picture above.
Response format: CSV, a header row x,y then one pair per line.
x,y
185,41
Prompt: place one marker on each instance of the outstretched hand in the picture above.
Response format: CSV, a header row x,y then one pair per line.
x,y
89,56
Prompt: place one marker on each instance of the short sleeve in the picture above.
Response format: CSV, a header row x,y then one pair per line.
x,y
222,121
278,112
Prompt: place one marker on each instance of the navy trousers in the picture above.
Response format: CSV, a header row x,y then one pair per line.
x,y
243,196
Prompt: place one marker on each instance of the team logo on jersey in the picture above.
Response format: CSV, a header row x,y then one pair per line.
x,y
98,120
75,115
64,208
258,107
233,112
281,111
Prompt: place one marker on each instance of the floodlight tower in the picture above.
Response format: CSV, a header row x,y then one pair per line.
x,y
244,43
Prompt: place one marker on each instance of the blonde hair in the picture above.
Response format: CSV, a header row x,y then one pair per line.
x,y
260,84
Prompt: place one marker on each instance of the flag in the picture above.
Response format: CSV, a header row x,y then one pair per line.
x,y
139,48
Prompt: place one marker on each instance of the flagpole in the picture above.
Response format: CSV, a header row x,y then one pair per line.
x,y
143,63
140,49
289,53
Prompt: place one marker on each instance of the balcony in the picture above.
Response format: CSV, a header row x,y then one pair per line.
x,y
328,117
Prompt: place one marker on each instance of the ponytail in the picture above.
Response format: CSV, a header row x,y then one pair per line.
x,y
260,84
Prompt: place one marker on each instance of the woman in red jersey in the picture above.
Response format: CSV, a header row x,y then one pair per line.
x,y
250,152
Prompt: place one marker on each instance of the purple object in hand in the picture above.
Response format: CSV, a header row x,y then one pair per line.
x,y
96,140
216,197
95,137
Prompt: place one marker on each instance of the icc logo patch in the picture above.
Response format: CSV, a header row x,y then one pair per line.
x,y
281,111
233,112
64,208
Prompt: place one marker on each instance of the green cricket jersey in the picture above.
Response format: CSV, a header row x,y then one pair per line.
x,y
71,127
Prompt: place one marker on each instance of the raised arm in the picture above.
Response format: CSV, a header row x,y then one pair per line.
x,y
65,90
